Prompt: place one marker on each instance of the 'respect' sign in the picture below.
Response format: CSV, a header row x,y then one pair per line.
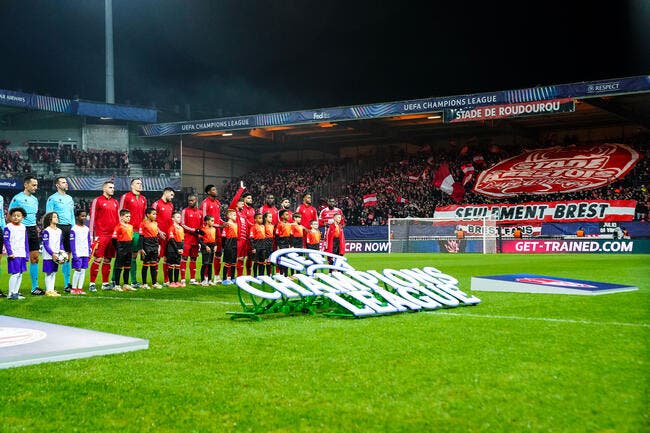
x,y
557,169
345,291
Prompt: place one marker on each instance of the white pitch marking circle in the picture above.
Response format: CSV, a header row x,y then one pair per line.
x,y
17,336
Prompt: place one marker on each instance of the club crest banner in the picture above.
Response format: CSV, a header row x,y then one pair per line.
x,y
557,169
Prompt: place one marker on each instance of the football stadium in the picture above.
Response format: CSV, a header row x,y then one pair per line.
x,y
470,262
512,219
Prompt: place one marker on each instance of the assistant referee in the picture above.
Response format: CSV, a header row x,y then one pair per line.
x,y
61,203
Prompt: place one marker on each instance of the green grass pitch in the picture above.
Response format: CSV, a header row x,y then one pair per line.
x,y
515,363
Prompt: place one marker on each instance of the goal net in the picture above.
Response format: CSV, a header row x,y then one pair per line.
x,y
433,235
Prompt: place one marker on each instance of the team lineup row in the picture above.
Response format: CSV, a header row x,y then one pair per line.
x,y
130,228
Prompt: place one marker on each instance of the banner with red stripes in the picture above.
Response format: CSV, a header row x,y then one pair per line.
x,y
558,211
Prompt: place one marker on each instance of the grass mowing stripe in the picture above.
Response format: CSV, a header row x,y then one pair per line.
x,y
543,319
446,313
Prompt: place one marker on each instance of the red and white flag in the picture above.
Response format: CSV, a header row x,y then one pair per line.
x,y
370,200
402,200
444,181
468,172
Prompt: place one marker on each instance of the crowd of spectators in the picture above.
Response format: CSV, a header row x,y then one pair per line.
x,y
88,162
155,159
13,162
285,181
403,183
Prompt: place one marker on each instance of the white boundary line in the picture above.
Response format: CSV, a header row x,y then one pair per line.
x,y
543,319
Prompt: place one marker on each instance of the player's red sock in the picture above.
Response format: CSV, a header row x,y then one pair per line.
x,y
249,266
183,266
94,271
217,266
165,274
193,269
106,272
240,267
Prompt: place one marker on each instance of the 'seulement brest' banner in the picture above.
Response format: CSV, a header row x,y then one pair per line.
x,y
557,211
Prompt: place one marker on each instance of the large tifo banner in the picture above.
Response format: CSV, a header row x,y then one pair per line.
x,y
557,211
557,169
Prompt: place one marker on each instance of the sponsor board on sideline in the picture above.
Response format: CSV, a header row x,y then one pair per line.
x,y
531,283
550,246
26,342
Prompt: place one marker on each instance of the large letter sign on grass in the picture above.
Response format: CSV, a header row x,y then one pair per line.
x,y
327,283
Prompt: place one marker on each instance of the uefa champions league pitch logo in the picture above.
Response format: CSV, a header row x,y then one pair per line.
x,y
326,283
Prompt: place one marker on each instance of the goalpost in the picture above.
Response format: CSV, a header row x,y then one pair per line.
x,y
410,235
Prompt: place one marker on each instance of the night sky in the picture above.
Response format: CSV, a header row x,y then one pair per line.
x,y
247,56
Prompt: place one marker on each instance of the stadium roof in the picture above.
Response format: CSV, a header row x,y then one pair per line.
x,y
621,102
15,102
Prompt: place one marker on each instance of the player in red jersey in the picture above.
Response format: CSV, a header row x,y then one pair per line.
x,y
212,206
326,216
249,212
191,221
164,210
136,203
285,204
269,206
243,243
104,216
307,211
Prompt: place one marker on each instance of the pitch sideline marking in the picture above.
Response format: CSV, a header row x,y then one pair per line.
x,y
445,313
543,319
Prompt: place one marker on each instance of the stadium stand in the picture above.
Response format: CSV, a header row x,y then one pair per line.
x,y
50,161
403,182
